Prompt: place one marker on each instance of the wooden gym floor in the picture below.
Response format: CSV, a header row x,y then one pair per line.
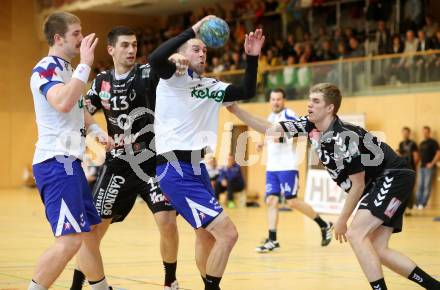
x,y
132,259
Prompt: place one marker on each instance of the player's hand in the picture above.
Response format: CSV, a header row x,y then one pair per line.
x,y
105,140
87,49
196,27
340,228
253,42
429,165
181,63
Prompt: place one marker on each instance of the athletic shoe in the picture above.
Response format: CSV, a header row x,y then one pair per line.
x,y
327,234
231,204
267,246
174,286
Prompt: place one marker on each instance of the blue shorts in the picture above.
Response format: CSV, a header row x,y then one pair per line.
x,y
67,198
282,182
190,194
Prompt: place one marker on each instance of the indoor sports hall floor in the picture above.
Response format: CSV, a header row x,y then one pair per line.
x,y
132,259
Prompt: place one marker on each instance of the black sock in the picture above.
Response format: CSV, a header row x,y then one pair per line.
x,y
273,235
320,222
379,285
170,272
423,279
212,283
78,280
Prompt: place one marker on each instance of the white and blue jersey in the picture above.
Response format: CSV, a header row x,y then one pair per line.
x,y
186,122
58,133
57,167
187,109
282,162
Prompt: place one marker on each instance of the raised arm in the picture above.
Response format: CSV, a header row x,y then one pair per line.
x,y
252,47
64,96
159,58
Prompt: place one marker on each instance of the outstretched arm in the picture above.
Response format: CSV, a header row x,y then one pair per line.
x,y
256,123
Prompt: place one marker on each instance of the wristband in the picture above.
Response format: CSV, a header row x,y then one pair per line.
x,y
82,72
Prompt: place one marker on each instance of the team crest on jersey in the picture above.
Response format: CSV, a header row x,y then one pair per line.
x,y
105,95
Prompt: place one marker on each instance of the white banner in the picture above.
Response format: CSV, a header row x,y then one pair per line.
x,y
322,193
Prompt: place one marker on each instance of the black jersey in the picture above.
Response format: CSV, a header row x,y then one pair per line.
x,y
345,149
128,105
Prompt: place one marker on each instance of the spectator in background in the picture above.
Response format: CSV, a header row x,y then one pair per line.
x,y
423,62
212,168
237,61
394,71
356,50
430,27
429,155
409,151
290,77
407,62
288,48
435,75
231,180
319,39
383,38
326,52
341,51
216,66
298,48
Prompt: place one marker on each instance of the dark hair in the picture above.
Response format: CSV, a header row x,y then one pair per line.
x,y
406,129
331,93
427,128
58,23
279,90
112,36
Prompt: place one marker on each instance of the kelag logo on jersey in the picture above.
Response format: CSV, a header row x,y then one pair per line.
x,y
216,95
105,95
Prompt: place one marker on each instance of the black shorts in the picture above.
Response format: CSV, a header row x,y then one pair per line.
x,y
117,188
386,197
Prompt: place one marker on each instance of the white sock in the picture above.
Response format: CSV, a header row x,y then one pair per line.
x,y
35,286
101,285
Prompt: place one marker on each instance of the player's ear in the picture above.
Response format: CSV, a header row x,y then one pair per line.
x,y
57,38
331,108
110,49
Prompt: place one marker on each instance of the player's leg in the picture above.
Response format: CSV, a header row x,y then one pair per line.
x,y
233,186
66,211
54,260
225,234
420,187
362,226
165,217
169,244
398,262
192,196
89,259
204,243
430,173
289,183
272,196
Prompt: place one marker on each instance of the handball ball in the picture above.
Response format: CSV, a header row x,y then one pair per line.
x,y
214,32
